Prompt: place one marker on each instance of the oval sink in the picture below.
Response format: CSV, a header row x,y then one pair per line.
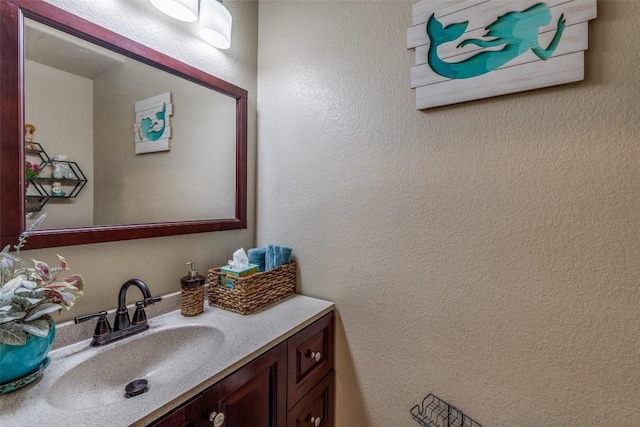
x,y
162,357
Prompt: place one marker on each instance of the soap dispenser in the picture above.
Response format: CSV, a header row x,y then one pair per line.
x,y
192,298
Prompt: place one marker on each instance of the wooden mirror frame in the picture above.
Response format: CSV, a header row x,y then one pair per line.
x,y
12,155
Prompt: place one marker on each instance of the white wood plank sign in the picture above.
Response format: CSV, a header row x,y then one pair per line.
x,y
152,128
474,49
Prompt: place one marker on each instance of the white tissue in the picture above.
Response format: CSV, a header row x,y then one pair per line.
x,y
240,260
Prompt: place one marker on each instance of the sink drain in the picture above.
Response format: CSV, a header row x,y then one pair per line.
x,y
136,387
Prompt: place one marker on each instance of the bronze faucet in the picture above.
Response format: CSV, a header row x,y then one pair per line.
x,y
122,325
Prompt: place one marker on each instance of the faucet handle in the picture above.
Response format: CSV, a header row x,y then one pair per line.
x,y
150,300
139,316
85,317
102,326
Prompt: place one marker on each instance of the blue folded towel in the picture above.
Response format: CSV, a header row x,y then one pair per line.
x,y
258,257
277,256
270,257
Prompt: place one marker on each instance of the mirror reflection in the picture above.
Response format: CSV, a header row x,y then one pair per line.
x,y
138,160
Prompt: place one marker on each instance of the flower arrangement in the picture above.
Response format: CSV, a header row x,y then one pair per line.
x,y
28,294
31,171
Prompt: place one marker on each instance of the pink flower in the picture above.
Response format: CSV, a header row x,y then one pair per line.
x,y
31,171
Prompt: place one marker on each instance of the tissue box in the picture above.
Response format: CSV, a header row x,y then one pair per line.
x,y
243,272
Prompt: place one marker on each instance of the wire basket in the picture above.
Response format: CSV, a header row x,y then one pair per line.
x,y
435,412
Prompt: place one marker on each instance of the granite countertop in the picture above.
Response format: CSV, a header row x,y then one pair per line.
x,y
239,339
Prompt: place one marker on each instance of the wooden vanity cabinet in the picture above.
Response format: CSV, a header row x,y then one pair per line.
x,y
291,385
252,396
187,415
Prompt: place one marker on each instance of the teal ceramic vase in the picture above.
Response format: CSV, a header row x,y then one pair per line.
x,y
21,361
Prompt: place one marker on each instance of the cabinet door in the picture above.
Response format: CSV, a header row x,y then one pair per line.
x,y
254,395
316,408
187,415
310,358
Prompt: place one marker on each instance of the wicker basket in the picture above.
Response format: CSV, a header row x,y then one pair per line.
x,y
252,292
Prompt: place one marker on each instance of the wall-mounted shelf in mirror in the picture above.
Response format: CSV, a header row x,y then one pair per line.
x,y
54,179
128,195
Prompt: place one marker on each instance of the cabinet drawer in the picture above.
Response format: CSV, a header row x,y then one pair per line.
x,y
310,358
316,408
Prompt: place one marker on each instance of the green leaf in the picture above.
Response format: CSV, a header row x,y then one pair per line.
x,y
12,284
22,291
41,310
29,284
5,299
11,333
11,314
33,301
39,328
10,317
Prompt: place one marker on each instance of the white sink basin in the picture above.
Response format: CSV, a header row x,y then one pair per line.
x,y
160,356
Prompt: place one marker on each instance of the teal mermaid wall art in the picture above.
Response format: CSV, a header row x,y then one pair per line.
x,y
152,129
153,124
511,35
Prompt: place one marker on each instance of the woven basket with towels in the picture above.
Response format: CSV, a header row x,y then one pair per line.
x,y
253,292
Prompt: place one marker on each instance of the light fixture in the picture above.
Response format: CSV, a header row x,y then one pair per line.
x,y
183,10
215,23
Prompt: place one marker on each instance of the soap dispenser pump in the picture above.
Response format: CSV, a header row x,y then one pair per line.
x,y
192,298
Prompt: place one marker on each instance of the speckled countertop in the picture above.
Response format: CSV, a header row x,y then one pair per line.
x,y
233,341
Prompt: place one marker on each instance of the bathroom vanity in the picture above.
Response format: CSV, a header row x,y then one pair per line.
x,y
291,384
270,368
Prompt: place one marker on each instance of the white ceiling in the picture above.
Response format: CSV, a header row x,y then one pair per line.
x,y
63,51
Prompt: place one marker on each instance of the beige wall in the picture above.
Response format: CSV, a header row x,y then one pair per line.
x,y
53,100
160,261
486,252
198,170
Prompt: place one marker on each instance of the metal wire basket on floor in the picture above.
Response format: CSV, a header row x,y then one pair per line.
x,y
435,412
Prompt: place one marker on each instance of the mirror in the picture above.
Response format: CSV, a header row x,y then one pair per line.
x,y
87,91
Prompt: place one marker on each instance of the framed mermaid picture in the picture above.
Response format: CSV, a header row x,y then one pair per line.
x,y
474,49
152,129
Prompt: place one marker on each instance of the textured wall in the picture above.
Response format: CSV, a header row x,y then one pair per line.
x,y
203,135
487,252
44,88
160,261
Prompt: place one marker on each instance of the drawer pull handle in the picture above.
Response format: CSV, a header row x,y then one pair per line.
x,y
316,355
315,421
216,418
